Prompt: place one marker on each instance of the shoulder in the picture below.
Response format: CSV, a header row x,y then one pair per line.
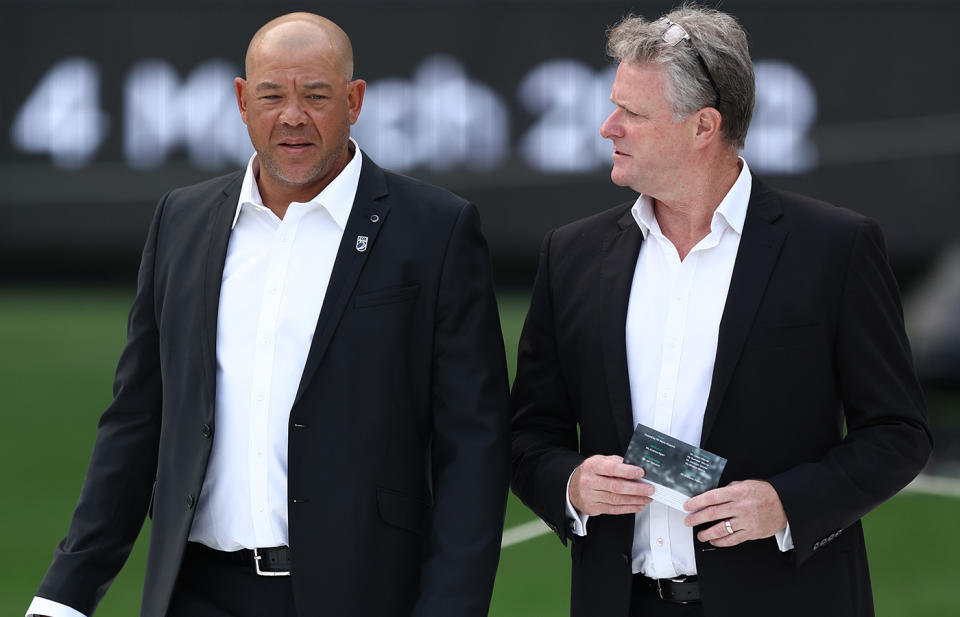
x,y
588,231
416,205
811,221
416,194
206,190
802,211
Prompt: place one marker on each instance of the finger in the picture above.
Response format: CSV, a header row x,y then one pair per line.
x,y
614,467
728,540
711,513
620,487
710,498
719,532
617,499
620,509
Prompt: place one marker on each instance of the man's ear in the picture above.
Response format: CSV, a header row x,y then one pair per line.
x,y
240,85
708,127
355,91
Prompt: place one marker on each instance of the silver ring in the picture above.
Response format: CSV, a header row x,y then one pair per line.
x,y
729,527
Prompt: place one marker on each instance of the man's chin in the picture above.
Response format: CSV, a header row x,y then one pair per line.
x,y
619,179
293,178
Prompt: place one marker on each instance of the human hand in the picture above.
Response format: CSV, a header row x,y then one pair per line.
x,y
751,507
607,485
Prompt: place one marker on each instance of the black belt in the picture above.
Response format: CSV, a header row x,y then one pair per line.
x,y
682,590
273,561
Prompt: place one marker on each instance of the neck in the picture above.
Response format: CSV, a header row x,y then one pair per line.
x,y
278,194
685,217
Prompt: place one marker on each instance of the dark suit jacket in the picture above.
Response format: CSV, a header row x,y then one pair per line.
x,y
811,338
398,451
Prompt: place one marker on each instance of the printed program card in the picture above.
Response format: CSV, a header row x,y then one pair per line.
x,y
677,469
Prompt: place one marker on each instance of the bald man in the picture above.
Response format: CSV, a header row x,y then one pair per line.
x,y
312,401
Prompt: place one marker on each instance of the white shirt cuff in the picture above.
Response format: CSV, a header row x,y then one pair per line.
x,y
42,606
784,539
577,521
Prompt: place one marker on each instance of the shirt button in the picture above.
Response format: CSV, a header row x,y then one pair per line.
x,y
659,541
283,238
260,509
260,396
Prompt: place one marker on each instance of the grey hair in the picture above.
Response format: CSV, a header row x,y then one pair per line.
x,y
723,44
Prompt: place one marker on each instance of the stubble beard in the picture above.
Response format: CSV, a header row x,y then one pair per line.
x,y
270,165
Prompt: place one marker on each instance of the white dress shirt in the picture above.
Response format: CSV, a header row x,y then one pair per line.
x,y
274,280
673,321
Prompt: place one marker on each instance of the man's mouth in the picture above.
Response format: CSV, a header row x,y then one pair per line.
x,y
295,145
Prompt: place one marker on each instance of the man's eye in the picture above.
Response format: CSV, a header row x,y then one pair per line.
x,y
270,97
317,97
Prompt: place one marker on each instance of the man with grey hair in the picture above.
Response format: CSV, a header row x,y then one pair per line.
x,y
762,326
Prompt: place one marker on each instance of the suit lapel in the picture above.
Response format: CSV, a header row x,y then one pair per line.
x,y
367,217
218,232
618,261
756,257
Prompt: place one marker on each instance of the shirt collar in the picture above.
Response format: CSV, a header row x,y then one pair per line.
x,y
731,212
337,197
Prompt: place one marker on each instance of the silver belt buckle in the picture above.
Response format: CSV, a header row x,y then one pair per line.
x,y
256,564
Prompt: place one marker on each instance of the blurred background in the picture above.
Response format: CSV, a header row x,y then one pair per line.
x,y
106,105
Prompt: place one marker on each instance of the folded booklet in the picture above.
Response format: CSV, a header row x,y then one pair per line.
x,y
677,469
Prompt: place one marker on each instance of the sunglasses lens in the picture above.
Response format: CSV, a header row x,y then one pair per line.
x,y
674,34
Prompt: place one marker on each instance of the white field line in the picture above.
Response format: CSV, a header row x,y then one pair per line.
x,y
523,532
935,485
930,485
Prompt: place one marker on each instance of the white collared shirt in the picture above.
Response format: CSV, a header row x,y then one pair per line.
x,y
673,322
274,280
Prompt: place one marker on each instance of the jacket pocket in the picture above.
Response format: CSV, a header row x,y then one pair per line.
x,y
386,296
402,510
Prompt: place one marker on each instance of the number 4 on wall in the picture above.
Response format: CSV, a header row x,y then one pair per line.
x,y
61,117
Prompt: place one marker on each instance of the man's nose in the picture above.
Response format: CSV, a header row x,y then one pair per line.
x,y
292,113
611,126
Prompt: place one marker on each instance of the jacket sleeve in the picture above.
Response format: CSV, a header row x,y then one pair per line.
x,y
545,444
470,448
119,480
887,441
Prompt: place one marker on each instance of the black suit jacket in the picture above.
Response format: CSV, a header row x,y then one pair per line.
x,y
813,390
398,436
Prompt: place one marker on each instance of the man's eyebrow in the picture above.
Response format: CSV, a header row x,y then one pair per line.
x,y
267,85
317,85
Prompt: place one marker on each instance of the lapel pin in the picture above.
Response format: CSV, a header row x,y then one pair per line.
x,y
374,218
361,243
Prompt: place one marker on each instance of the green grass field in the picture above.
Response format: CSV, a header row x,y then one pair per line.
x,y
59,348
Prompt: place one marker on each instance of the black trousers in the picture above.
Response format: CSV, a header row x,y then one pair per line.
x,y
644,602
211,586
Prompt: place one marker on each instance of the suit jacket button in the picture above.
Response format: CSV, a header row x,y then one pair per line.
x,y
206,431
190,502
